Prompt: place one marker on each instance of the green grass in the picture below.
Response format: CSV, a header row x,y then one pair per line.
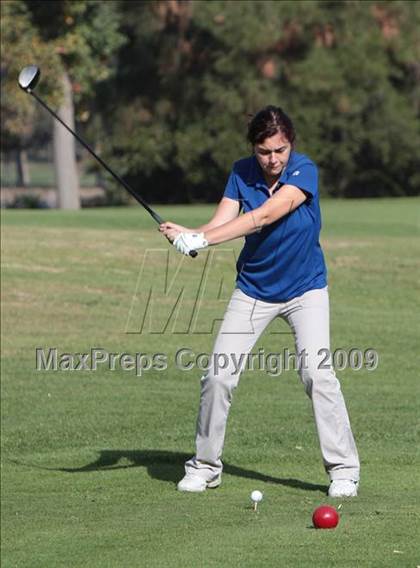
x,y
90,459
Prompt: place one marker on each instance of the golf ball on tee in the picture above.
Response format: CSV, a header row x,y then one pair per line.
x,y
256,496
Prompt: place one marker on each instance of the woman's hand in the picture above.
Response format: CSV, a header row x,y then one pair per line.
x,y
187,242
172,230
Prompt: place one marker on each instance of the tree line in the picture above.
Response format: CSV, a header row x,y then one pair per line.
x,y
164,89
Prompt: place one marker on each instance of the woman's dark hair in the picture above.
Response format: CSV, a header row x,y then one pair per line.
x,y
269,121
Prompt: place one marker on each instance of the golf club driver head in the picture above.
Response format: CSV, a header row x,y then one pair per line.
x,y
28,77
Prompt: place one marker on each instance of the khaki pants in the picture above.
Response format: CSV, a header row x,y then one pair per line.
x,y
245,320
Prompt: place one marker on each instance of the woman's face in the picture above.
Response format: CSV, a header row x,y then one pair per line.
x,y
273,154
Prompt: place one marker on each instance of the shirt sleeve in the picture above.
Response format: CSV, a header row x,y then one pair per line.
x,y
231,189
305,177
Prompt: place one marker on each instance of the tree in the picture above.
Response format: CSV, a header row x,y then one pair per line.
x,y
357,108
73,42
165,88
18,113
192,72
85,34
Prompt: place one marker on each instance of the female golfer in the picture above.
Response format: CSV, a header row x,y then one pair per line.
x,y
281,272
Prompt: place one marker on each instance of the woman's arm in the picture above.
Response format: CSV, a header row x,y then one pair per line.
x,y
226,211
288,198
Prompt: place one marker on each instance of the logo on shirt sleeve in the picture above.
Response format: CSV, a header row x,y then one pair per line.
x,y
296,173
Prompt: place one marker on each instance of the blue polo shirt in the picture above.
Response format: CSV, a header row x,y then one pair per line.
x,y
285,259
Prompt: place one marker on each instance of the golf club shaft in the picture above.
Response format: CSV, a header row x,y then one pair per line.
x,y
155,216
131,191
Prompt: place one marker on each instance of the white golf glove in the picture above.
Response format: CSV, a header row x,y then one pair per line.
x,y
186,242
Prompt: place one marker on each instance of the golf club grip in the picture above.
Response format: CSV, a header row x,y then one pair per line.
x,y
192,253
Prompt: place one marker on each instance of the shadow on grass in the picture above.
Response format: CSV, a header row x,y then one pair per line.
x,y
168,466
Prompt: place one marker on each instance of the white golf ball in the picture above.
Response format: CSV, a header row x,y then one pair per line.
x,y
256,496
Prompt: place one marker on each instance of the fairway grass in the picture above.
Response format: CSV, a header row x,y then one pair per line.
x,y
90,459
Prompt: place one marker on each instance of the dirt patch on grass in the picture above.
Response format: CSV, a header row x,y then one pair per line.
x,y
345,261
32,267
336,244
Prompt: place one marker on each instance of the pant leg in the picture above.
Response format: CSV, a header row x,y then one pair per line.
x,y
244,321
310,323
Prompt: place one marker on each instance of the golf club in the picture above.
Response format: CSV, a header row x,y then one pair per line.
x,y
28,79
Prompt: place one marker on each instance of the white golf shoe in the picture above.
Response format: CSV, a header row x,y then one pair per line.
x,y
343,488
196,484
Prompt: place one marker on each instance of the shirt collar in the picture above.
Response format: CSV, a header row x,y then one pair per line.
x,y
256,177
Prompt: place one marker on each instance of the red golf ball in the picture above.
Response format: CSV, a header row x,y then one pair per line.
x,y
325,517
